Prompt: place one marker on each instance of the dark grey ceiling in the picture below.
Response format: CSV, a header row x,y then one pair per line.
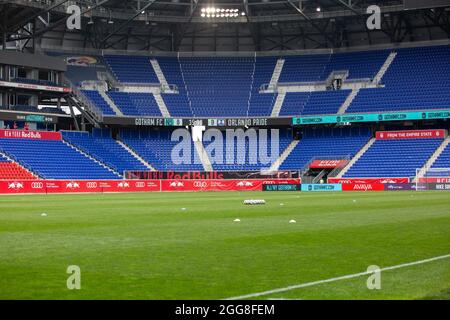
x,y
176,25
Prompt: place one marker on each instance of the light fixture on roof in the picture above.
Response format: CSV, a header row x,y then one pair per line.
x,y
110,21
91,21
213,12
318,9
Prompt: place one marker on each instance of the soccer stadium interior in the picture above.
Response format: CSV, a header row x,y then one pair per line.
x,y
93,91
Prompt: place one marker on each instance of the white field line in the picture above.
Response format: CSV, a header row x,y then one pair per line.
x,y
350,276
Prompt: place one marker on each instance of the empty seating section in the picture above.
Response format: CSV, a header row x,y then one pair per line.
x,y
13,171
105,150
229,86
245,154
156,148
394,158
307,68
261,104
360,65
416,80
53,159
178,104
140,104
98,100
310,103
132,69
442,162
218,86
326,143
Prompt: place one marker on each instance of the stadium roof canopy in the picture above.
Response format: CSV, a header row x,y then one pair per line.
x,y
178,25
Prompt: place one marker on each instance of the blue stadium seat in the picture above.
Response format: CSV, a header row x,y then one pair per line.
x,y
156,148
394,158
326,143
137,104
132,69
416,80
106,150
98,100
311,103
54,160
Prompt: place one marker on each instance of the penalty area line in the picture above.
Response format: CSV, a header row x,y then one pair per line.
x,y
349,276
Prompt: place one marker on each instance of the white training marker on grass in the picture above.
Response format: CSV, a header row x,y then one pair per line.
x,y
237,220
281,204
292,221
183,209
43,215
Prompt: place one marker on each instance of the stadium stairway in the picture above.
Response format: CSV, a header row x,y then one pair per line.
x,y
54,159
134,154
110,103
384,68
348,101
326,143
393,158
103,148
356,157
206,162
159,73
283,156
436,160
162,105
117,174
276,73
278,104
11,170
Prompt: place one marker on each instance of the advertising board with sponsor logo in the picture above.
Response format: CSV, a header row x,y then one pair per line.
x,y
368,180
104,186
411,134
30,135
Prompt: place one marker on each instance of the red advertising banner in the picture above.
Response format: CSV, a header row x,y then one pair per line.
x,y
412,134
434,180
57,186
368,180
34,87
221,185
30,134
100,186
363,187
327,164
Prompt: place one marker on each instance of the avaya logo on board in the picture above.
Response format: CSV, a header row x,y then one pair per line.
x,y
364,187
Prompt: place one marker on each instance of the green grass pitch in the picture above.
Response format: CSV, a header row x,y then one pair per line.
x,y
144,246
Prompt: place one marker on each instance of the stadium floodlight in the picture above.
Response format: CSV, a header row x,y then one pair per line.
x,y
213,12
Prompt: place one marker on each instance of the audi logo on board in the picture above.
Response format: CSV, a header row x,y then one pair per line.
x,y
91,185
37,185
200,184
